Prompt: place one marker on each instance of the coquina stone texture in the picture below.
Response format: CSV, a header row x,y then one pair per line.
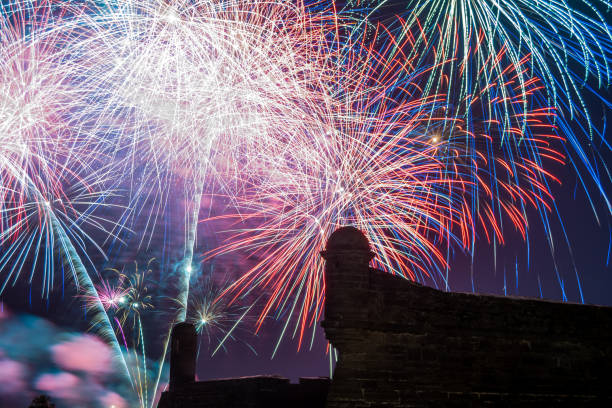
x,y
401,344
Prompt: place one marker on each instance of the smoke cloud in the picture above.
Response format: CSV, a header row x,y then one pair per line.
x,y
74,369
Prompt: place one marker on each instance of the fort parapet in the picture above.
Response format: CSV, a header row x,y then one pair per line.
x,y
263,391
401,344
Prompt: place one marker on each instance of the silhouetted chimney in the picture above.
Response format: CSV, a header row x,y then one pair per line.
x,y
183,350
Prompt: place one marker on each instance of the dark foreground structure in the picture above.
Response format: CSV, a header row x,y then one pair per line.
x,y
246,392
401,344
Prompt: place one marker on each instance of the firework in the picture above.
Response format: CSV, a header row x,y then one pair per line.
x,y
202,89
112,296
411,172
129,297
566,45
187,92
49,192
216,318
126,298
138,303
301,119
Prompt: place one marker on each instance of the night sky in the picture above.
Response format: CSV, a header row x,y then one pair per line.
x,y
579,272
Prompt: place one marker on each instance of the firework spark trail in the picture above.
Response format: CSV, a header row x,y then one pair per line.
x,y
53,224
112,296
48,196
192,217
303,122
131,293
311,189
194,91
390,165
131,298
554,34
100,318
568,46
201,87
215,316
126,297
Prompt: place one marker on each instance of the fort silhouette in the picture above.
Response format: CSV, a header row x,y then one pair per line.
x,y
401,344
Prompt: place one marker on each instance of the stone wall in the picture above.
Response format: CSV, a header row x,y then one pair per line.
x,y
401,344
264,391
248,392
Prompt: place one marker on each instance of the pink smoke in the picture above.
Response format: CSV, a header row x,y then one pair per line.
x,y
4,312
62,385
111,399
83,353
12,377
